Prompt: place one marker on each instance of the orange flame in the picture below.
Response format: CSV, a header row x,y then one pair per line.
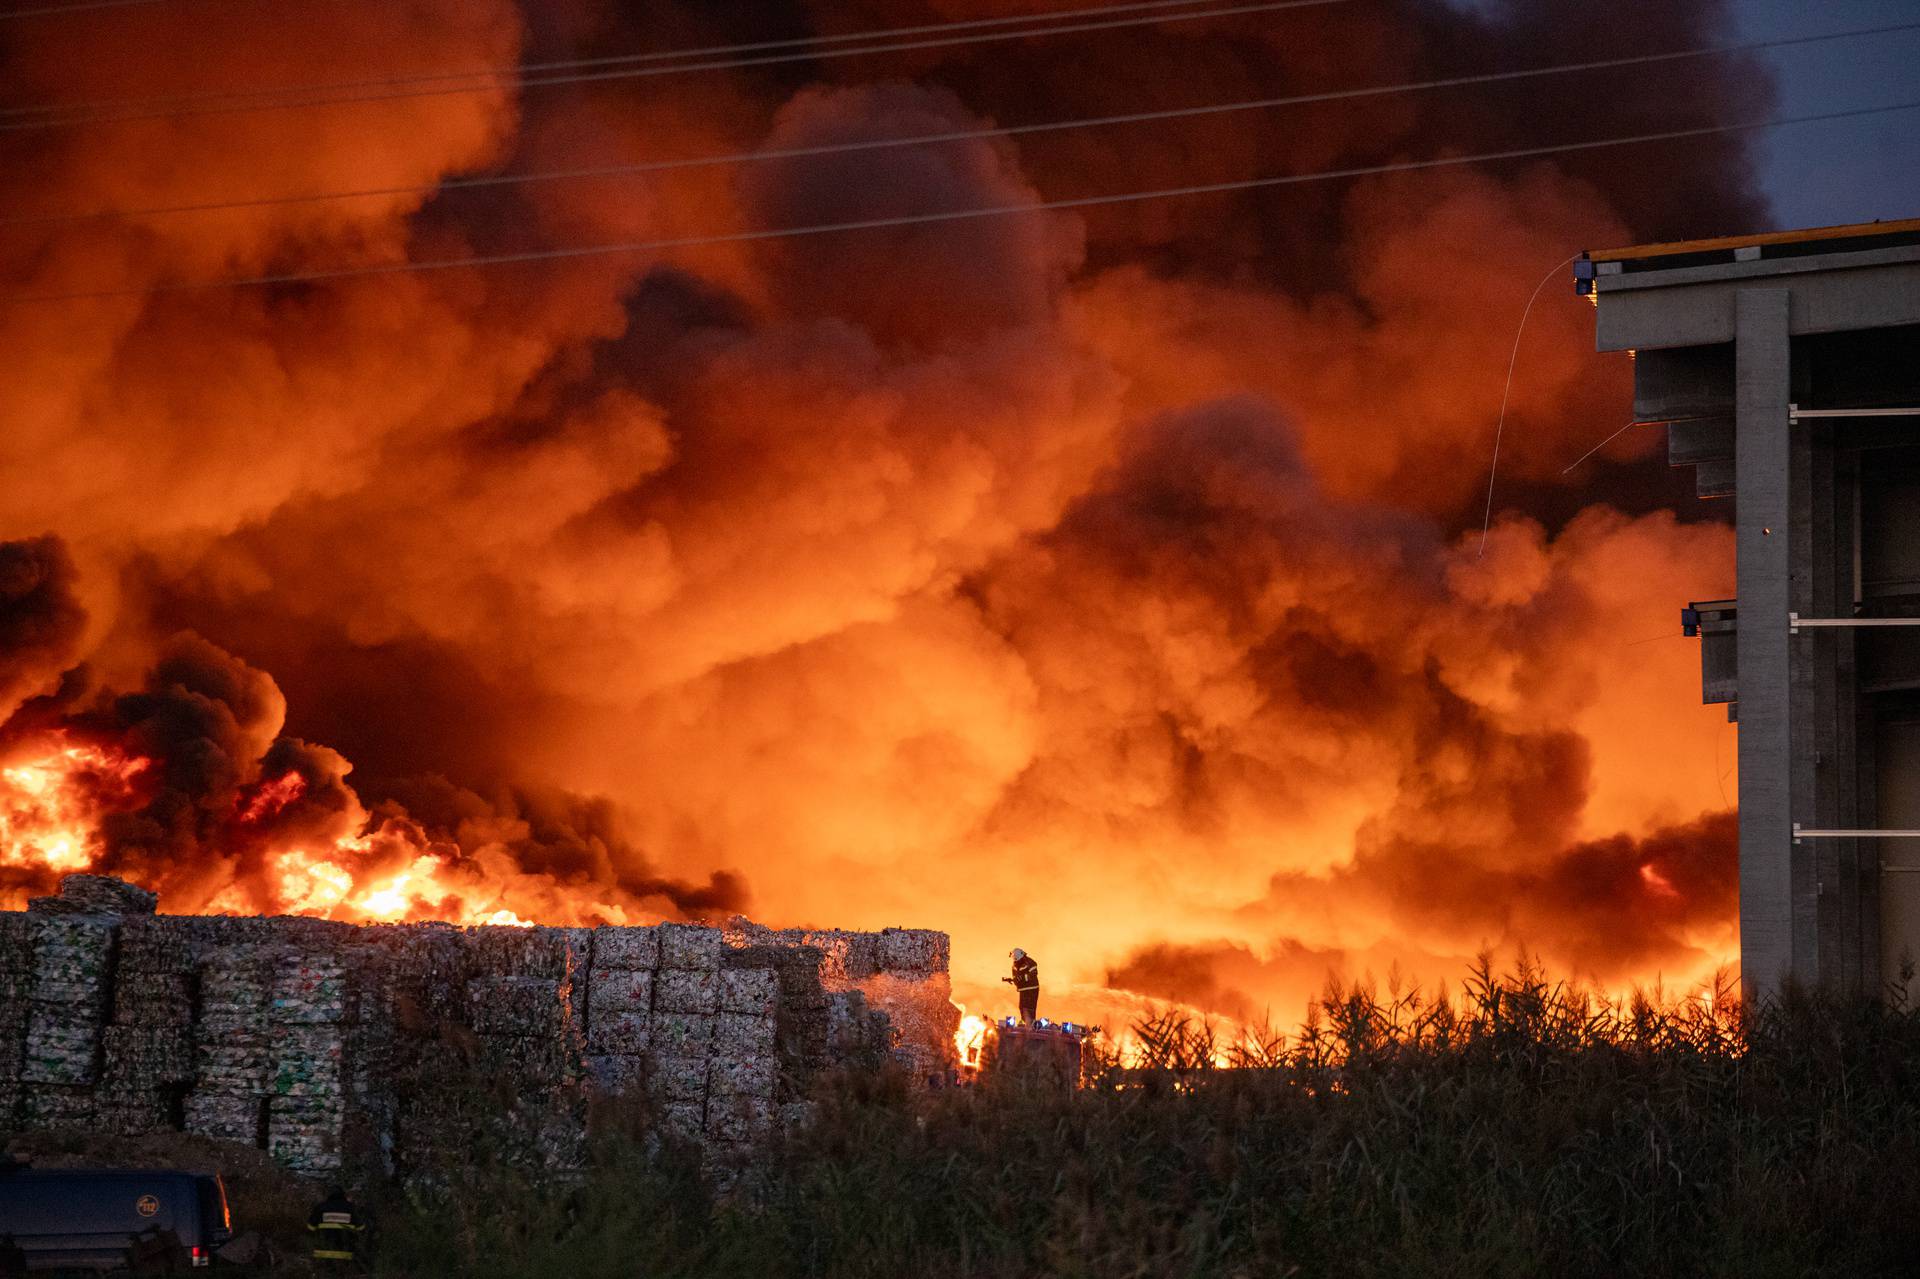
x,y
50,803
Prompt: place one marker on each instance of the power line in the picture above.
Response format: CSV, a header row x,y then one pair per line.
x,y
75,115
952,215
528,68
960,135
46,10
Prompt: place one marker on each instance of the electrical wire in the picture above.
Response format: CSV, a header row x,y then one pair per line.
x,y
957,135
1500,425
951,215
573,64
76,116
43,11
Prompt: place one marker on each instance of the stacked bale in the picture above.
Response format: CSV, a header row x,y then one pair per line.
x,y
16,985
620,1005
233,1055
522,1027
801,1047
68,1001
914,989
149,1046
686,1005
307,1017
96,895
743,1075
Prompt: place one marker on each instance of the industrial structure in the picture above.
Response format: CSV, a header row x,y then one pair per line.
x,y
1787,370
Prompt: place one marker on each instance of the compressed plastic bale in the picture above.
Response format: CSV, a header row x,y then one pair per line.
x,y
845,957
683,1119
690,946
72,960
148,1055
622,1033
52,1105
152,999
308,989
675,1078
526,1064
224,1116
151,945
682,1034
130,1111
309,1061
617,947
743,1035
749,990
915,950
739,1118
59,1052
686,991
526,1006
620,990
743,1076
305,1133
616,1072
523,952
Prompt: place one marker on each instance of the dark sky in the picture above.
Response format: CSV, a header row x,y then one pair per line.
x,y
1841,171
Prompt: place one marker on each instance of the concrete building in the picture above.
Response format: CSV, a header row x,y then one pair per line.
x,y
1787,370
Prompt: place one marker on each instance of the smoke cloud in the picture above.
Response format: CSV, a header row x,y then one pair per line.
x,y
1106,583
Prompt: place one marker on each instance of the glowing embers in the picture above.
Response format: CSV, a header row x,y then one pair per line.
x,y
52,798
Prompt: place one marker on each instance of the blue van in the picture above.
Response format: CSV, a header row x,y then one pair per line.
x,y
87,1219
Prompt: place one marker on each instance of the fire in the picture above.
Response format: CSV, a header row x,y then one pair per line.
x,y
54,798
50,803
970,1039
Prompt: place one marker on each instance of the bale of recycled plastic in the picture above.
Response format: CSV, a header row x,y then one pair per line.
x,y
686,991
524,1006
631,949
152,998
743,1035
620,990
308,989
59,1051
690,946
54,1105
224,1116
148,1056
616,1072
743,1076
753,991
739,1118
913,950
677,1078
106,895
620,1033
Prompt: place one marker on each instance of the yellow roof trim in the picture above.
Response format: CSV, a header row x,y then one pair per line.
x,y
1810,235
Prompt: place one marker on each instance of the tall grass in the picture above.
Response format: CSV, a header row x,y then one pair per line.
x,y
1518,1127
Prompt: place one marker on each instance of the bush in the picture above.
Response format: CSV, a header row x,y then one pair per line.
x,y
1522,1128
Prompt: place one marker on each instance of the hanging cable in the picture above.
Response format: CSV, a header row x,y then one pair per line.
x,y
951,215
76,115
956,135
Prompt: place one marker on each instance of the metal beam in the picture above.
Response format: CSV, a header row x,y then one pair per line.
x,y
1763,454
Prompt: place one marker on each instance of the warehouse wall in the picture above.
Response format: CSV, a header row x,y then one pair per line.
x,y
372,1049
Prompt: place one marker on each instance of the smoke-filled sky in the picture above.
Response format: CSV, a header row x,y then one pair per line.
x,y
1105,582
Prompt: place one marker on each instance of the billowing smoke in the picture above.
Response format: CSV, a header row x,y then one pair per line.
x,y
1106,583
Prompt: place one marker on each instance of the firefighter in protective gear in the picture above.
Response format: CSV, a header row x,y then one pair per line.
x,y
339,1230
1026,980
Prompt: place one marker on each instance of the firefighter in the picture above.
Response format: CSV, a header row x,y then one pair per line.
x,y
1026,980
339,1230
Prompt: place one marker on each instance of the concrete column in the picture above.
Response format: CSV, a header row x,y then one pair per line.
x,y
1763,481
